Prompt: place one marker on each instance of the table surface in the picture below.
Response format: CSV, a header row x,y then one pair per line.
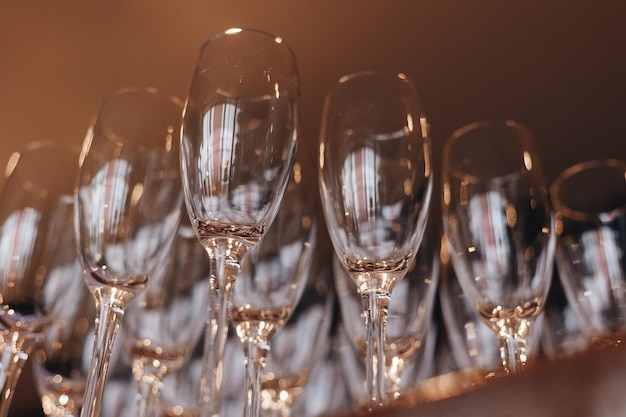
x,y
589,385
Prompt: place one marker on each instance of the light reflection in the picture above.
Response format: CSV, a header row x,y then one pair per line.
x,y
528,162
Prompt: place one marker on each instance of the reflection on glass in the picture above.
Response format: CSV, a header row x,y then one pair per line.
x,y
500,229
590,201
35,221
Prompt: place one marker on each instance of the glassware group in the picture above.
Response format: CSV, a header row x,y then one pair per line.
x,y
192,228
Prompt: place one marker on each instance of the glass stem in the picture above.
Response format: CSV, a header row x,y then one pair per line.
x,y
512,341
110,305
149,383
375,304
220,300
256,349
15,351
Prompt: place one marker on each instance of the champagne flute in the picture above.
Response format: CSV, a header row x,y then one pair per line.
x,y
238,146
35,205
375,182
63,356
408,320
128,208
273,278
590,203
473,344
500,229
562,332
167,319
298,347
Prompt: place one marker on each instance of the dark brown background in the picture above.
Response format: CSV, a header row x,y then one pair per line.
x,y
557,66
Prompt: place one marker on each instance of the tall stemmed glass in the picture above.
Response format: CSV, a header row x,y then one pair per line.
x,y
166,320
300,345
408,319
238,146
273,278
590,203
128,209
376,182
35,209
499,228
63,356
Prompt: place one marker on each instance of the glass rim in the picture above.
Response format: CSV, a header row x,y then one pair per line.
x,y
96,124
37,146
526,143
564,210
278,40
374,72
346,78
148,90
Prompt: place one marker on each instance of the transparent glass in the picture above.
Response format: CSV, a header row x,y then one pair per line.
x,y
326,392
562,333
590,203
408,321
239,139
422,366
64,354
167,319
272,280
299,345
128,208
375,183
499,228
35,210
473,344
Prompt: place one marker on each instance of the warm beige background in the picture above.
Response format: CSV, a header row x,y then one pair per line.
x,y
557,66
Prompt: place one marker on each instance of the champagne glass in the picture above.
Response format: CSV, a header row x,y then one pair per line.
x,y
167,319
298,347
408,320
128,209
590,203
273,278
63,356
352,364
326,391
238,147
562,333
375,182
472,342
35,205
500,229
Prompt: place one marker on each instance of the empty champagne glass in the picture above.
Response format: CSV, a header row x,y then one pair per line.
x,y
375,182
500,229
166,320
326,391
473,344
35,216
128,209
562,333
299,344
408,321
64,354
181,386
238,147
590,203
273,278
421,368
